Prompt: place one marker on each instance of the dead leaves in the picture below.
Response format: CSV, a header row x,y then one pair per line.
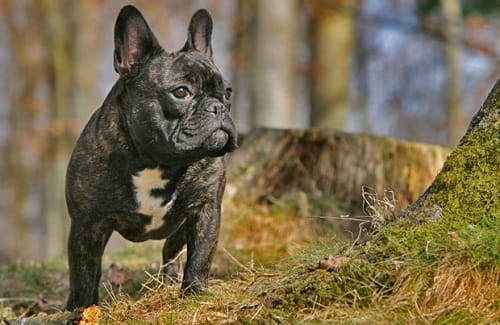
x,y
90,316
330,263
454,236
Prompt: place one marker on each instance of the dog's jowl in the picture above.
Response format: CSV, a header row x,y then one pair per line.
x,y
150,161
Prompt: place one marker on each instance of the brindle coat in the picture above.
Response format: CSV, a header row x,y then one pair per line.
x,y
149,163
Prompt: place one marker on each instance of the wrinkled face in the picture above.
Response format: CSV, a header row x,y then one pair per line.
x,y
180,108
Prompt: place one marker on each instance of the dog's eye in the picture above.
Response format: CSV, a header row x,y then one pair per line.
x,y
227,94
182,93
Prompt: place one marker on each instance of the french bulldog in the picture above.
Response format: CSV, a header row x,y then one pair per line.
x,y
149,164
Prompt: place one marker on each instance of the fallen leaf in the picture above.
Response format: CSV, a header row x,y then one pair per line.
x,y
454,236
332,263
90,316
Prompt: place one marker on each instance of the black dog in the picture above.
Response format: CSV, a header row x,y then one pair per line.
x,y
149,163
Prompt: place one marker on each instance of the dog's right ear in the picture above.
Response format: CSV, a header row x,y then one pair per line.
x,y
135,43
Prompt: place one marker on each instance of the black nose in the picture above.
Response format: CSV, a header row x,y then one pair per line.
x,y
216,108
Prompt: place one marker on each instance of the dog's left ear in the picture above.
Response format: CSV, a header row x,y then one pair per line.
x,y
135,43
200,33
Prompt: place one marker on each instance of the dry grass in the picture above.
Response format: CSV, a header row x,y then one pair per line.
x,y
260,234
381,210
457,294
253,237
273,275
272,268
462,287
225,302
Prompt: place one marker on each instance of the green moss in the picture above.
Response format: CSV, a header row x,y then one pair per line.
x,y
354,284
466,194
467,187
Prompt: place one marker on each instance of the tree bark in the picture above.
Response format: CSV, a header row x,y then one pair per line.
x,y
470,176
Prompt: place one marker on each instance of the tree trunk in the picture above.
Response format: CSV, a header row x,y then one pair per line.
x,y
274,74
470,176
85,62
243,54
452,14
25,138
333,35
60,33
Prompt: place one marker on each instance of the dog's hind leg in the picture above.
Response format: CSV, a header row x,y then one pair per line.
x,y
85,249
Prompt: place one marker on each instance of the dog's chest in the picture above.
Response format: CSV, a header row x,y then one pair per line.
x,y
154,195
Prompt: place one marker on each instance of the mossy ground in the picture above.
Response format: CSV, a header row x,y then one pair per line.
x,y
420,270
439,269
439,272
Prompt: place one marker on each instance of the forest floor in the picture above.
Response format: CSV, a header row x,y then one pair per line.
x,y
274,266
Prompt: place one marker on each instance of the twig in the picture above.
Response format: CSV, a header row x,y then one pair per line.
x,y
346,217
237,262
257,311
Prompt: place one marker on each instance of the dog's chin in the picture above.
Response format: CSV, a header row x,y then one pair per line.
x,y
217,142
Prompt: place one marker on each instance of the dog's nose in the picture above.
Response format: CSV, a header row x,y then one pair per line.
x,y
216,108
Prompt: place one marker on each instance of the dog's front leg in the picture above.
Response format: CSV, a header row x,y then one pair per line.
x,y
202,234
85,249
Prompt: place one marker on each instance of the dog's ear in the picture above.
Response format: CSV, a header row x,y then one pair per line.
x,y
135,43
200,33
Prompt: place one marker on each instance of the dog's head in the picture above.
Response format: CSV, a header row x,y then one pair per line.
x,y
177,103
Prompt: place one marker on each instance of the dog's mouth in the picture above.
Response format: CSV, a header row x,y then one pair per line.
x,y
220,142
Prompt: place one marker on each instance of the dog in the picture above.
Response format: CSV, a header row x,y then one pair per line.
x,y
149,164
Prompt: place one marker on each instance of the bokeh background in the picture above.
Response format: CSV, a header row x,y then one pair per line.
x,y
415,70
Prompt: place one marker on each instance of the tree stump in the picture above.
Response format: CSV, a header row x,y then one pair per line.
x,y
272,163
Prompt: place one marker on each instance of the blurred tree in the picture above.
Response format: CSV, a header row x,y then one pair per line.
x,y
480,7
333,39
452,14
451,30
55,64
243,59
72,48
360,75
274,71
25,140
59,34
85,53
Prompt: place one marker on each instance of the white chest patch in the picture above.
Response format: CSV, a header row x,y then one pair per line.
x,y
144,182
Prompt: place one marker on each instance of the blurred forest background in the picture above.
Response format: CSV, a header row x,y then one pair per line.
x,y
415,70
